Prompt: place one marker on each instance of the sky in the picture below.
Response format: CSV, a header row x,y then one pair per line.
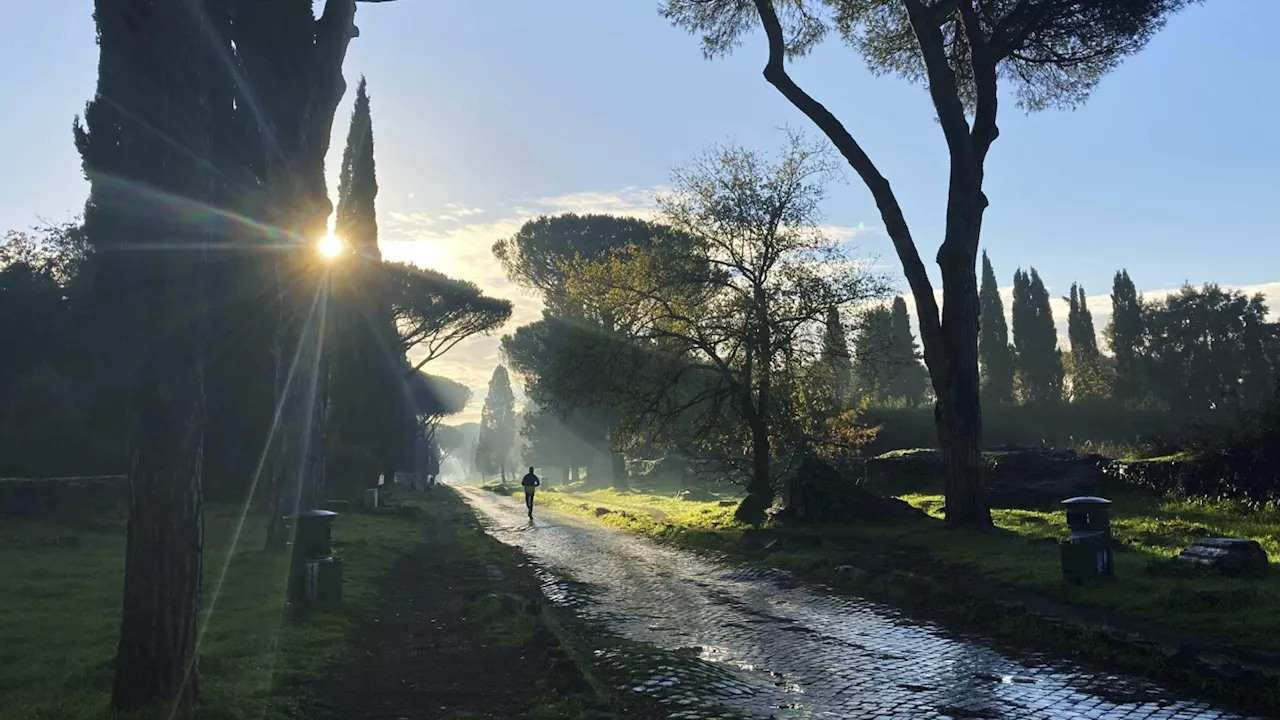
x,y
489,112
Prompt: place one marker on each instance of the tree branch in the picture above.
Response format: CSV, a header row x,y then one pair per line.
x,y
775,73
984,62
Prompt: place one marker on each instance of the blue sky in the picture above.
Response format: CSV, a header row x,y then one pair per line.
x,y
486,112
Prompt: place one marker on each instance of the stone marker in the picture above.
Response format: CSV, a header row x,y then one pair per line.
x,y
1228,556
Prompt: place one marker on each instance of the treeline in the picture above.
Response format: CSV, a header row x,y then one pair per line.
x,y
1198,352
1174,365
64,369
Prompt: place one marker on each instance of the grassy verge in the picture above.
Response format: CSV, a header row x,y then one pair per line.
x,y
60,611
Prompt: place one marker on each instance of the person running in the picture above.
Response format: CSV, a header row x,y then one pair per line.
x,y
530,482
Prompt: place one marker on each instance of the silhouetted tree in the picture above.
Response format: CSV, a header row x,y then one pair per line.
x,y
1035,340
994,353
540,257
1125,336
874,366
148,126
1051,53
910,381
367,372
1084,363
498,423
1206,351
836,358
434,312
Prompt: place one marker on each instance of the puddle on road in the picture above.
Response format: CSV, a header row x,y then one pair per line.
x,y
714,641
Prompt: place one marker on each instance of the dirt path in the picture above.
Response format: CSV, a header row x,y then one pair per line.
x,y
763,644
421,657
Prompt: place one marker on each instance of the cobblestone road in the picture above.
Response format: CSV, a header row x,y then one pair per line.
x,y
759,643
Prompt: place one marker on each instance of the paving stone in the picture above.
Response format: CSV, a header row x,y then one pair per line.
x,y
756,643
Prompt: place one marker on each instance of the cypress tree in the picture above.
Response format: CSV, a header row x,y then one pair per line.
x,y
1035,341
1087,376
872,359
994,353
910,380
498,422
836,358
356,222
369,405
1125,336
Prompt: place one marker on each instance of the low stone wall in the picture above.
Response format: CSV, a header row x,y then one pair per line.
x,y
74,497
1015,478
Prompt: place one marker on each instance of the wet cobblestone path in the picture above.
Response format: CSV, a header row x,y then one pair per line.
x,y
755,642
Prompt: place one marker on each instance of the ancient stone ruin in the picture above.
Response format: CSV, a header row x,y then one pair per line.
x,y
817,492
1225,556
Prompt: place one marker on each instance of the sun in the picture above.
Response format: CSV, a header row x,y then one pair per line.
x,y
330,246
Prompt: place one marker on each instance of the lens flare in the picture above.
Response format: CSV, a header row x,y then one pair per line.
x,y
330,246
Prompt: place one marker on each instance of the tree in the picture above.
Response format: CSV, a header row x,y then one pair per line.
x,y
1125,335
1053,53
567,377
1207,351
718,326
366,382
561,377
1085,368
874,367
536,257
994,354
1035,341
497,424
837,361
286,61
434,312
148,127
910,381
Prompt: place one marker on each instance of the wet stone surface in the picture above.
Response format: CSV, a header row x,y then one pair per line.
x,y
757,643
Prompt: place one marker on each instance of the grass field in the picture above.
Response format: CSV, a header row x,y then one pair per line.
x,y
1021,550
60,613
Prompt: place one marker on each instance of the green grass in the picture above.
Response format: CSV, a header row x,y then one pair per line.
x,y
1151,530
60,614
1021,550
707,525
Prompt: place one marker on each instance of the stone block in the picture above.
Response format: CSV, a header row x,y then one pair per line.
x,y
1226,556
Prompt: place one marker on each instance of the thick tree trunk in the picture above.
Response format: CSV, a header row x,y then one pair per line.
x,y
164,314
155,658
958,386
949,338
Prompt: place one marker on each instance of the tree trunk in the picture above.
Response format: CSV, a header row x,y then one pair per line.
x,y
575,473
155,657
502,469
951,351
760,484
619,462
564,477
958,410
